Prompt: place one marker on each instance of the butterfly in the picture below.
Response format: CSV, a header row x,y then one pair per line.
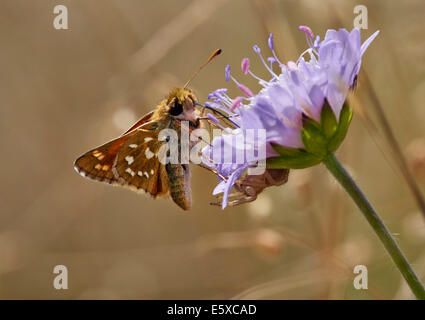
x,y
133,159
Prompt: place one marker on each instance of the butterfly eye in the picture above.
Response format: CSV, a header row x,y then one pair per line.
x,y
176,108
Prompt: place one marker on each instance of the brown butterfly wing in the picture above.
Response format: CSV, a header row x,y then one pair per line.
x,y
139,123
137,164
133,161
97,164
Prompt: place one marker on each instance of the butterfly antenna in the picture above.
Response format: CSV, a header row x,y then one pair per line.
x,y
214,54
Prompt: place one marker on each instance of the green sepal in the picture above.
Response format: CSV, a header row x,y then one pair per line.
x,y
343,124
328,121
319,139
287,152
304,160
292,158
314,140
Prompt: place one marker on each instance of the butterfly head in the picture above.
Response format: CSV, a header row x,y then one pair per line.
x,y
181,105
181,102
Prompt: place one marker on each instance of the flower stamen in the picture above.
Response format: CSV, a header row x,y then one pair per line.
x,y
258,51
309,36
246,91
235,103
271,46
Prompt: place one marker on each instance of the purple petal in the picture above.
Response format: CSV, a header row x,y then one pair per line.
x,y
292,66
368,42
249,119
336,98
219,188
230,182
317,98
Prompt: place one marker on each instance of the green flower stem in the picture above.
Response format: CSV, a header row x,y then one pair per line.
x,y
372,217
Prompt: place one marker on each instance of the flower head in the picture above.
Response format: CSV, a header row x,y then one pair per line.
x,y
302,107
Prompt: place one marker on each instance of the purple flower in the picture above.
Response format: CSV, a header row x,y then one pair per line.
x,y
323,73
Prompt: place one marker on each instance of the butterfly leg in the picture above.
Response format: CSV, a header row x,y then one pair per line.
x,y
212,170
235,198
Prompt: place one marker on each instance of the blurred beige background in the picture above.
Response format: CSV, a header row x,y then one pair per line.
x,y
63,92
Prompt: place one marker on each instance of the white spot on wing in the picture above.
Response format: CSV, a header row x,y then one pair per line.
x,y
140,173
149,154
148,139
129,159
146,174
152,172
128,170
133,145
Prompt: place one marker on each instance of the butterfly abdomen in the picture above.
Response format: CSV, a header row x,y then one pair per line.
x,y
179,184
